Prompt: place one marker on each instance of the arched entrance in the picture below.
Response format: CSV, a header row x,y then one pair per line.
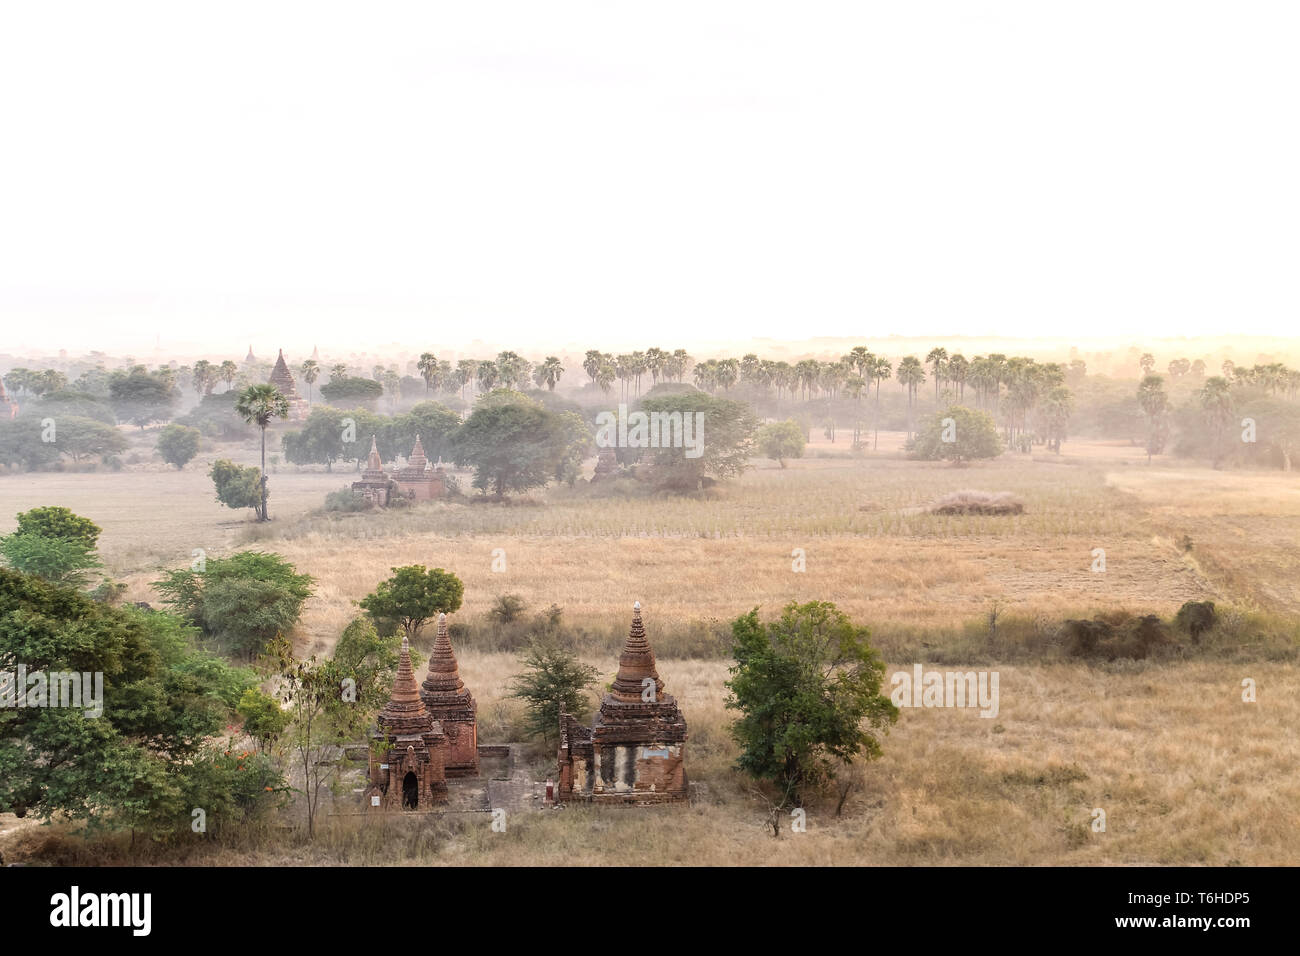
x,y
410,791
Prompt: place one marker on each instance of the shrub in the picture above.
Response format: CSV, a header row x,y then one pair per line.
x,y
978,503
1195,618
507,609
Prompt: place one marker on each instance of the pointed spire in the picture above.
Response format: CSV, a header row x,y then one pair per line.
x,y
417,460
636,663
374,466
404,713
443,684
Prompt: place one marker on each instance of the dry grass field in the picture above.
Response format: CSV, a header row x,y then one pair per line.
x,y
1184,770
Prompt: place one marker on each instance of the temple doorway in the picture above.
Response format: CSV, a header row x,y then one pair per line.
x,y
410,791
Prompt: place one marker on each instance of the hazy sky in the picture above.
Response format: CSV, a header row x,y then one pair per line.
x,y
620,174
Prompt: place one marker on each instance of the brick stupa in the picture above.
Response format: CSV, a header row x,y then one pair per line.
x,y
635,752
282,379
449,702
409,753
417,480
374,485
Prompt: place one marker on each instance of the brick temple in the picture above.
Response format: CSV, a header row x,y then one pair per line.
x,y
374,485
409,753
282,379
447,700
635,751
416,481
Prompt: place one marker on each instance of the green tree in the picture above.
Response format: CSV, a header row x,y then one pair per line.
x,y
242,601
412,596
136,762
723,441
264,720
237,486
142,397
552,680
781,440
257,405
52,521
958,434
807,688
512,444
345,391
1155,405
178,444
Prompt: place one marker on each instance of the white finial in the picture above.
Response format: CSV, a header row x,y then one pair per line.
x,y
406,644
442,616
636,606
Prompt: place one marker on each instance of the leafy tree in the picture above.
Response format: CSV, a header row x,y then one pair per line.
x,y
72,404
413,595
320,440
807,687
513,444
215,416
54,559
1155,405
724,442
56,522
142,397
135,763
54,544
22,444
237,486
257,405
343,391
264,720
81,438
552,679
781,440
958,434
242,601
178,444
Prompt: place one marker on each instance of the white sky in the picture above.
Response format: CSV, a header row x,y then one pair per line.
x,y
623,175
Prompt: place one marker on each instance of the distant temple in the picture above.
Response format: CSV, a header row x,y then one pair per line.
x,y
282,379
635,752
449,703
416,481
250,358
409,753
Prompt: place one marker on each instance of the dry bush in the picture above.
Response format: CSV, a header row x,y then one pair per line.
x,y
970,502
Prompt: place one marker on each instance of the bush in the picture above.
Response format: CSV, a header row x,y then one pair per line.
x,y
346,501
958,434
1134,638
178,444
507,609
978,503
1195,618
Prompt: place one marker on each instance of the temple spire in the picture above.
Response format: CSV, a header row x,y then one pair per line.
x,y
404,713
636,663
444,680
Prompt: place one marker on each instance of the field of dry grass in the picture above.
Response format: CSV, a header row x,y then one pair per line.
x,y
1185,771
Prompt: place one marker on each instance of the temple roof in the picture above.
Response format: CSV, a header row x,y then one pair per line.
x,y
443,684
282,378
250,357
374,466
636,664
404,713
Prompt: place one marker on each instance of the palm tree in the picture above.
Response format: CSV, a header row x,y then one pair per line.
x,y
605,374
310,372
203,376
880,370
911,375
1215,397
487,375
549,372
958,369
428,369
937,359
1154,402
257,405
228,371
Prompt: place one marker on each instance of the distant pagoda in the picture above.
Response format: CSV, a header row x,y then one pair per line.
x,y
282,379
